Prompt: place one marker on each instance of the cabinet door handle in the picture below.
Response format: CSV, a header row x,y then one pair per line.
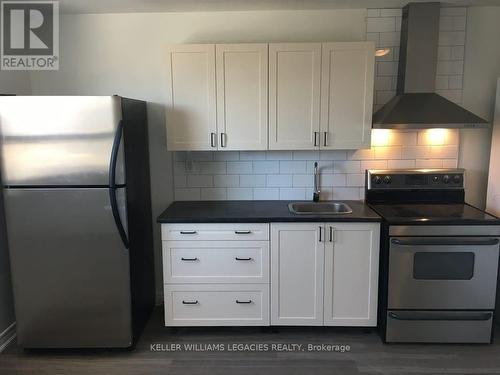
x,y
238,258
188,232
242,231
190,302
223,139
212,139
316,143
331,234
189,259
320,234
245,302
325,140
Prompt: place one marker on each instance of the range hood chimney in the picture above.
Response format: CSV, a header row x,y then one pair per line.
x,y
416,105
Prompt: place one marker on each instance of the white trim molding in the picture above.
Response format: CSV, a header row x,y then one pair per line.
x,y
7,336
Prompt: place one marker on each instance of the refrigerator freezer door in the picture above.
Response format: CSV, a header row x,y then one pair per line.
x,y
59,140
70,268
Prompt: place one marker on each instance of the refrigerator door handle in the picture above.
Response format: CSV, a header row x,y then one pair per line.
x,y
112,184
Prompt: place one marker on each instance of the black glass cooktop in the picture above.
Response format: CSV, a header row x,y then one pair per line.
x,y
434,213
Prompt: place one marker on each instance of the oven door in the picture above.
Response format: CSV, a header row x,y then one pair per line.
x,y
427,273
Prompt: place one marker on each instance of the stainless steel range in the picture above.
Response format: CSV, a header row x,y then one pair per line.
x,y
439,261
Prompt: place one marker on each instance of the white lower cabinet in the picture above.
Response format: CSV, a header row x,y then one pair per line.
x,y
351,274
309,274
324,274
297,255
216,305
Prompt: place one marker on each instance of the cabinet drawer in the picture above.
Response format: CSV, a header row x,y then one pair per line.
x,y
217,305
216,262
215,232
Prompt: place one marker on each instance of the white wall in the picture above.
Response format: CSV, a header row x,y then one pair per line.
x,y
482,68
10,83
123,54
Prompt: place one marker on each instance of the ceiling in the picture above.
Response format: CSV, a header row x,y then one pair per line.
x,y
132,6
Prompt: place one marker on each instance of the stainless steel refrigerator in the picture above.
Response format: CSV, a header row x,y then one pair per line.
x,y
76,187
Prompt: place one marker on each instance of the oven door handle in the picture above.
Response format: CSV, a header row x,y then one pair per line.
x,y
441,316
446,242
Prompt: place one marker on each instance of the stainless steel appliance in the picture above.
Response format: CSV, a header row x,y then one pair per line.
x,y
77,204
439,258
416,105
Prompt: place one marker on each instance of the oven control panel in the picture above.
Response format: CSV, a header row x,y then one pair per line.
x,y
419,179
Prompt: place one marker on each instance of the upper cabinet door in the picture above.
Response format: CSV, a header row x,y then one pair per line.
x,y
347,95
351,274
191,101
242,85
294,95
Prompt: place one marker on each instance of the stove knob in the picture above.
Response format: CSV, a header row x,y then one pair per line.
x,y
387,180
446,179
457,179
377,180
435,178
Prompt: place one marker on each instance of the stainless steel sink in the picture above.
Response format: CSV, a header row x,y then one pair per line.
x,y
319,208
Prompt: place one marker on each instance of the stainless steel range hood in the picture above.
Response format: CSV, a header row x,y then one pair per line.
x,y
416,105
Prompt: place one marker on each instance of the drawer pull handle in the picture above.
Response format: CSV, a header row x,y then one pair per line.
x,y
242,231
189,259
188,232
238,258
244,302
190,302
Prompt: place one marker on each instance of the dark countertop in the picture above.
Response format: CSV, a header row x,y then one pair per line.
x,y
256,212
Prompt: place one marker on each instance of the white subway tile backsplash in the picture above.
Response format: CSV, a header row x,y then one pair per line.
x,y
379,25
450,163
293,167
442,82
363,154
227,156
401,164
292,193
387,152
230,180
452,38
252,155
266,193
197,180
347,166
200,156
355,180
457,52
279,155
333,155
373,164
264,167
389,39
391,12
456,82
213,194
306,155
450,67
212,167
180,181
253,180
373,12
239,167
345,193
429,163
329,180
303,180
240,194
279,180
324,166
387,68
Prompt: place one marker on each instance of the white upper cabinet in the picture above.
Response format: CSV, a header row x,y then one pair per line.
x,y
296,274
320,96
347,95
242,105
351,274
294,95
191,101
